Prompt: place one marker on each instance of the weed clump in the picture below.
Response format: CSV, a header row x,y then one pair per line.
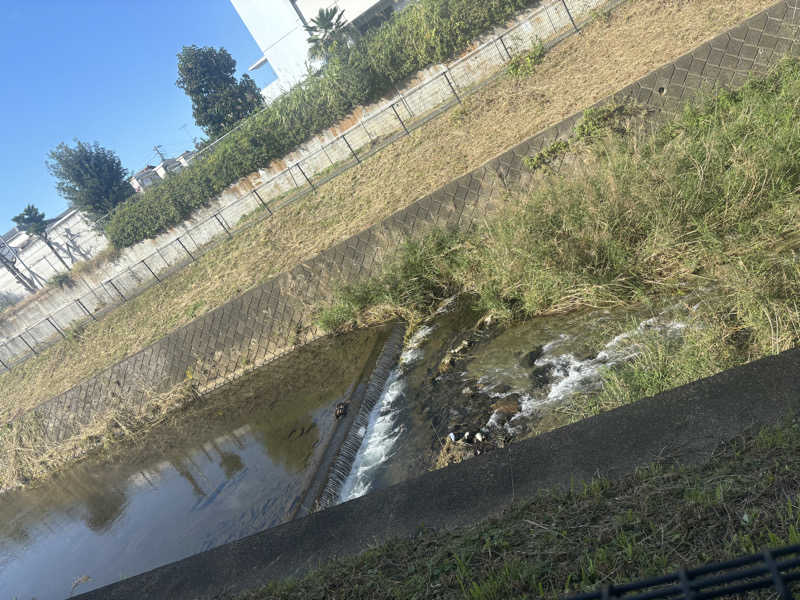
x,y
524,65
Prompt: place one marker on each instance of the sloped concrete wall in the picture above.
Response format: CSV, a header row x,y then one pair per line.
x,y
683,425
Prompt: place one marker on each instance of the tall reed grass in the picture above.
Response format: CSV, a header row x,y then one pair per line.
x,y
708,200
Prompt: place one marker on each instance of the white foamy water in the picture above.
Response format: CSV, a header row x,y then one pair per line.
x,y
379,439
572,375
383,431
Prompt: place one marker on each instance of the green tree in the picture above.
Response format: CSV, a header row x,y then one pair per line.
x,y
328,31
206,75
91,178
32,221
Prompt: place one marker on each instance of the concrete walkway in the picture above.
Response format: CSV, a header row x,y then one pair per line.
x,y
685,424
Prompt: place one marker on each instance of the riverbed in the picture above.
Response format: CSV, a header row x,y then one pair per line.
x,y
270,448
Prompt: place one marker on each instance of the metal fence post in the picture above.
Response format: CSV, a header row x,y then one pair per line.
x,y
569,14
261,200
403,100
294,181
27,344
221,224
500,52
116,289
452,87
185,249
397,114
349,147
80,303
56,327
5,366
304,175
153,273
505,47
549,18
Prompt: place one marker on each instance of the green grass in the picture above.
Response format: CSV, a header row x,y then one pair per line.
x,y
525,64
648,523
709,201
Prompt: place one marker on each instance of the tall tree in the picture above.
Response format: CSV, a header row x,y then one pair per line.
x,y
328,30
32,221
218,100
91,178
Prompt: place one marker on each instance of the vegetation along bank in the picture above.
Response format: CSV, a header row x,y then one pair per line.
x,y
705,204
427,32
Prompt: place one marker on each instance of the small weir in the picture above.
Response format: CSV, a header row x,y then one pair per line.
x,y
237,462
376,389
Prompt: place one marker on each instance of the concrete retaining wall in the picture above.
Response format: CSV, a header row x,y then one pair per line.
x,y
367,130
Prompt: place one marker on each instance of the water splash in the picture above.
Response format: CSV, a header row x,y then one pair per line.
x,y
569,374
379,380
379,437
379,440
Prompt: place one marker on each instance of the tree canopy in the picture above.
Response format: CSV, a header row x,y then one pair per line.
x,y
32,221
329,30
91,178
218,100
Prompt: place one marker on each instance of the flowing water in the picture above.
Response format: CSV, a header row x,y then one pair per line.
x,y
454,379
269,449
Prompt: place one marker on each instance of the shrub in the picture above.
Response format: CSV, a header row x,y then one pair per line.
x,y
426,32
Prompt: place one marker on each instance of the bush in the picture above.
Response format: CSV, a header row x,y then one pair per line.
x,y
426,32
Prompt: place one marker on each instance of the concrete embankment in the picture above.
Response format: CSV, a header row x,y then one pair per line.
x,y
683,425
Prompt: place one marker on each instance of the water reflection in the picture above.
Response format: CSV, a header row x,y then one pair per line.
x,y
235,464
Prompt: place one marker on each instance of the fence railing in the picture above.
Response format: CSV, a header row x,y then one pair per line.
x,y
548,25
730,578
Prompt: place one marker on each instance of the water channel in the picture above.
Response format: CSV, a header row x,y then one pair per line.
x,y
258,453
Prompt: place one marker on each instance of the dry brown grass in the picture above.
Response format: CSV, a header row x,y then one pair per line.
x,y
639,37
26,455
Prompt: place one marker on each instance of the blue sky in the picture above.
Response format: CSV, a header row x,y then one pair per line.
x,y
104,71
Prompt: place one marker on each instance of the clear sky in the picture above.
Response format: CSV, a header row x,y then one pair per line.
x,y
104,71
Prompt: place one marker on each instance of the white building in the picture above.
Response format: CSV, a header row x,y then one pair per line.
x,y
277,26
151,175
145,178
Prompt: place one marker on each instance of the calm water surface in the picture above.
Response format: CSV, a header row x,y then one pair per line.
x,y
236,464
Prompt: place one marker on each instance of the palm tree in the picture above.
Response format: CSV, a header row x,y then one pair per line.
x,y
328,30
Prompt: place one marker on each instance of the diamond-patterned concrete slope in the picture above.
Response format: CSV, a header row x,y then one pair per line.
x,y
270,320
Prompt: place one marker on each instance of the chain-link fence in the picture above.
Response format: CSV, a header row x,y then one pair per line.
x,y
409,110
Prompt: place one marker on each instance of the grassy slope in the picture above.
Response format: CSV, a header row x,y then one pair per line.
x,y
707,205
640,36
649,523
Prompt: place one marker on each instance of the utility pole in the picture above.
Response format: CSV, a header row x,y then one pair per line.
x,y
299,12
160,154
